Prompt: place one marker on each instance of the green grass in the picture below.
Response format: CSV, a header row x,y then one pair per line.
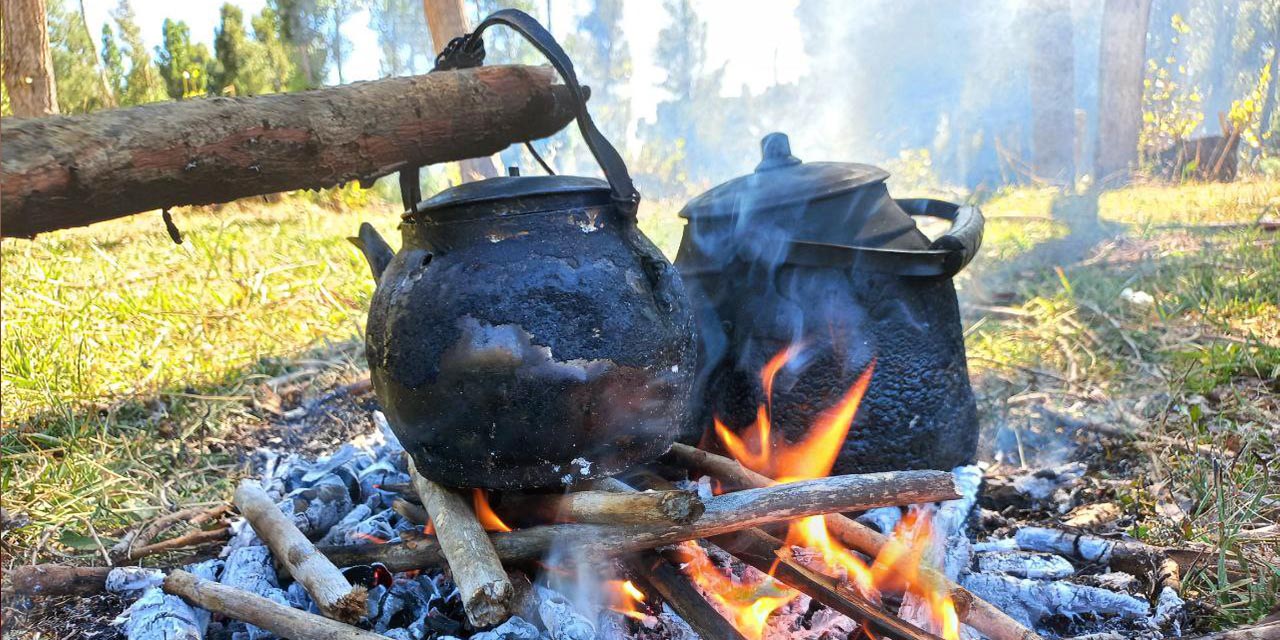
x,y
128,362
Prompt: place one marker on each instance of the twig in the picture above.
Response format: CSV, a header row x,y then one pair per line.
x,y
192,539
486,590
261,612
144,534
333,595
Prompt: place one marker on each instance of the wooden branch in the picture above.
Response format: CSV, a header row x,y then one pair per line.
x,y
724,514
144,534
261,612
409,511
605,507
186,540
974,611
658,575
1267,631
486,591
329,589
68,171
55,580
768,554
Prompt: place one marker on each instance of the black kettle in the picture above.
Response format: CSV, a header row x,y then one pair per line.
x,y
817,261
527,334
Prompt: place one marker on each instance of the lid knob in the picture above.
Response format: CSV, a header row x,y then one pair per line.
x,y
513,171
775,151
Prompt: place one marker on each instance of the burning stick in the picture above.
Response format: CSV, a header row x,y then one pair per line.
x,y
768,554
605,507
724,514
978,613
334,596
679,592
272,616
486,590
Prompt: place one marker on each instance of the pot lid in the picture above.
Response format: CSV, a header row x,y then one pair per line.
x,y
515,189
781,179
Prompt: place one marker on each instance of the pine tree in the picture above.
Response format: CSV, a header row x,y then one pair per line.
x,y
112,61
302,26
143,83
278,68
603,60
241,62
79,88
183,66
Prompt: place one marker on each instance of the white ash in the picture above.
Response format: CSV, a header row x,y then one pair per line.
x,y
882,519
949,548
1084,547
561,620
157,615
132,581
1030,601
1024,564
1053,488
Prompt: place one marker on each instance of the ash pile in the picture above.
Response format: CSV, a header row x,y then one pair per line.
x,y
1047,581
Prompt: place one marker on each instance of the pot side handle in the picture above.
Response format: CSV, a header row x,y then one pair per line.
x,y
964,238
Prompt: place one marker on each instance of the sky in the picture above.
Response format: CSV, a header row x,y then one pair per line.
x,y
758,41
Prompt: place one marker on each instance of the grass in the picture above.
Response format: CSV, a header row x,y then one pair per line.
x,y
127,359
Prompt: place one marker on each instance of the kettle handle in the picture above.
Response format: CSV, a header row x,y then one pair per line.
x,y
962,240
944,258
468,51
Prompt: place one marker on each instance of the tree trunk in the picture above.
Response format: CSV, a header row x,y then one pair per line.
x,y
69,171
1051,75
28,65
1121,61
446,21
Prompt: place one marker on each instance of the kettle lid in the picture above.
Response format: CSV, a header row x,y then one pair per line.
x,y
780,180
523,194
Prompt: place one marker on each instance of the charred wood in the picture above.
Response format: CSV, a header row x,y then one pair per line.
x,y
655,573
331,592
263,613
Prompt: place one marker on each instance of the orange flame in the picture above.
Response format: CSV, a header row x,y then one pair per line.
x,y
368,537
897,567
625,598
750,605
484,513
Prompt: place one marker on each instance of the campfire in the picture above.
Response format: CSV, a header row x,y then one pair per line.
x,y
748,545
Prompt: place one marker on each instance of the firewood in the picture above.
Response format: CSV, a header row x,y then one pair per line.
x,y
770,555
676,589
1268,631
974,611
605,507
67,171
724,514
409,511
333,595
280,619
486,591
55,580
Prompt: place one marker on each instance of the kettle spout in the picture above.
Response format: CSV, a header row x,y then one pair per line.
x,y
376,250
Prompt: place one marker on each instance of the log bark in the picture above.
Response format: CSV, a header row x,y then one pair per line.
x,y
1121,65
658,575
974,611
447,20
55,580
1051,74
1270,631
28,64
605,507
487,592
329,589
282,620
69,171
724,514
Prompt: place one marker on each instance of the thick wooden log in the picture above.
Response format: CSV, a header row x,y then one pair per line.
x,y
605,507
724,514
329,589
487,593
55,580
68,171
974,611
282,620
